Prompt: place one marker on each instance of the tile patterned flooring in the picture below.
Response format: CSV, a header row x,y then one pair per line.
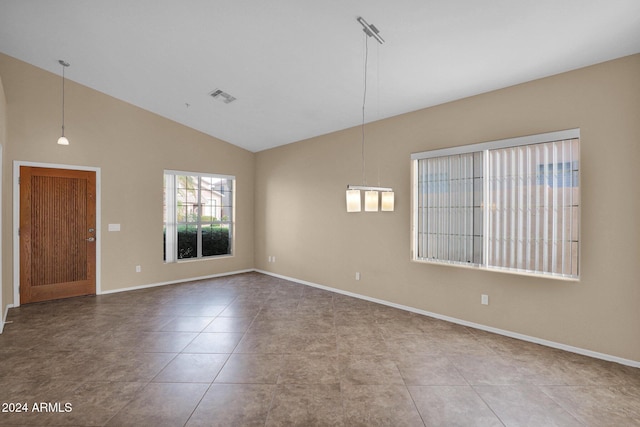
x,y
253,350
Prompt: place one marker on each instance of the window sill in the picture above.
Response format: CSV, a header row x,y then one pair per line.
x,y
499,270
188,260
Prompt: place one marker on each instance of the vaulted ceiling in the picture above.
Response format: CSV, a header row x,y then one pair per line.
x,y
296,68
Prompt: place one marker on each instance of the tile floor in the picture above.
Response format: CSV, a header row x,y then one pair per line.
x,y
253,350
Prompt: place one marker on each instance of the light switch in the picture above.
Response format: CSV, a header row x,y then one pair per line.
x,y
114,227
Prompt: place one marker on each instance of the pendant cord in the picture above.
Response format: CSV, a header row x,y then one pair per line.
x,y
63,67
364,99
378,103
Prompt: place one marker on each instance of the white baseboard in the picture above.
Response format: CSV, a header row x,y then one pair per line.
x,y
173,282
4,316
547,343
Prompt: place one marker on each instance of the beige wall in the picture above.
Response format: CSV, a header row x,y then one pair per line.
x,y
5,291
301,218
132,147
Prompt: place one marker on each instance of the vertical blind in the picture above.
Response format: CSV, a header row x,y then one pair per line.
x,y
510,205
450,208
534,199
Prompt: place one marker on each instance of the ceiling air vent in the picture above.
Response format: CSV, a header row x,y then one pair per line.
x,y
222,96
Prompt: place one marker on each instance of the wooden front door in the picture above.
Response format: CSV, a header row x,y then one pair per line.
x,y
57,233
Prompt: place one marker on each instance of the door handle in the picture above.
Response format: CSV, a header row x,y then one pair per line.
x,y
91,239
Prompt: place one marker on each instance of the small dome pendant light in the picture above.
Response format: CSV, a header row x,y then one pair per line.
x,y
63,139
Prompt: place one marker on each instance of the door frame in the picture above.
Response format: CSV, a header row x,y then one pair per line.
x,y
16,221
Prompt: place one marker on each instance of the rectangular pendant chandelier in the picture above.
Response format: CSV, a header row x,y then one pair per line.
x,y
375,198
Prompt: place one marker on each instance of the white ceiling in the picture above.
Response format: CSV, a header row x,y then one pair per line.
x,y
296,66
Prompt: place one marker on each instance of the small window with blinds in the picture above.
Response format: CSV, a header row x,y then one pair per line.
x,y
510,205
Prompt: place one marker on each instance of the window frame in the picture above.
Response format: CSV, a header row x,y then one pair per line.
x,y
171,223
485,147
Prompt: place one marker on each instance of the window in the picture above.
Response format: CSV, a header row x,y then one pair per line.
x,y
198,215
510,205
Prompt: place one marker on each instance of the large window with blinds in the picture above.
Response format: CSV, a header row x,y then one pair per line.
x,y
510,205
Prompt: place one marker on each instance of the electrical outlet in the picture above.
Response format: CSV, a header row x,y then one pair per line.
x,y
484,299
357,275
138,268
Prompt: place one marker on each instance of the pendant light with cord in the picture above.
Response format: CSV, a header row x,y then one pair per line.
x,y
63,139
371,194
